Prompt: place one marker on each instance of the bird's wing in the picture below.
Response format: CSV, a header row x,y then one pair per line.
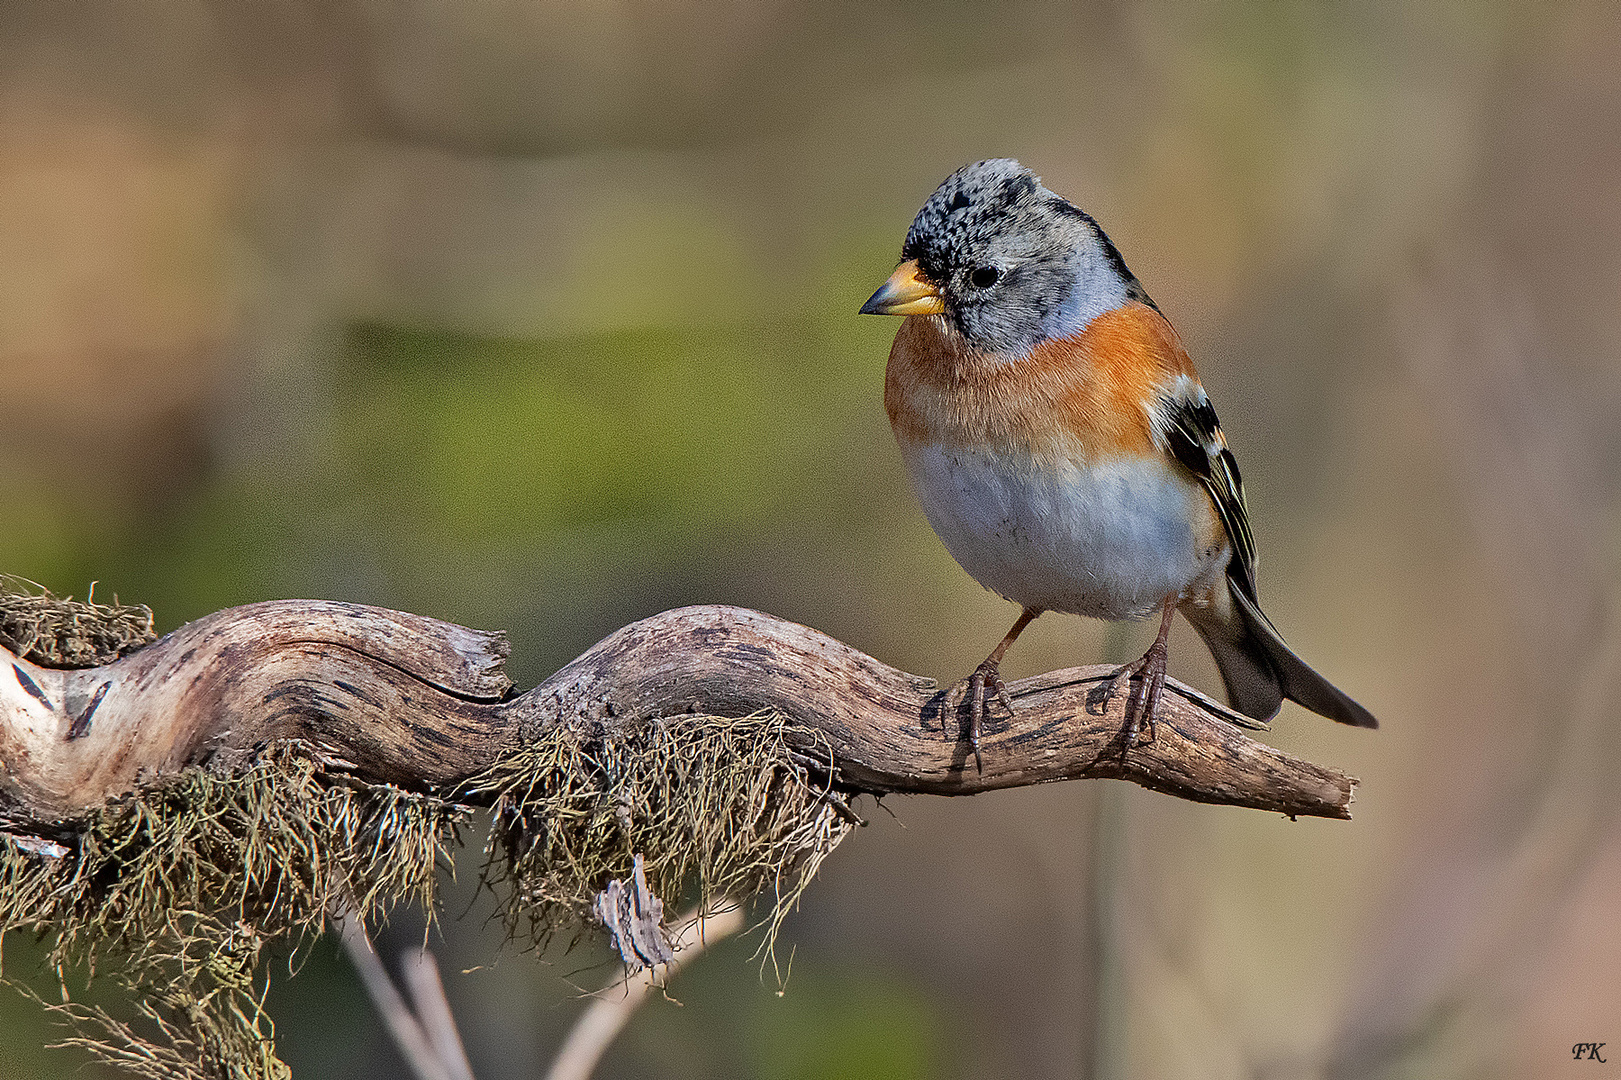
x,y
1186,425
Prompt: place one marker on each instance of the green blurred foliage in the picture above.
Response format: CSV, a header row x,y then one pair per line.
x,y
847,1026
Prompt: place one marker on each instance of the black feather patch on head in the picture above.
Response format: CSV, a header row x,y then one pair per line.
x,y
1008,255
1018,187
964,211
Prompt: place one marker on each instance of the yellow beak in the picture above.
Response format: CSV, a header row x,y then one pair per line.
x,y
905,293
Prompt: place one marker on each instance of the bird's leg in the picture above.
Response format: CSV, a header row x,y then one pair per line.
x,y
986,681
1141,707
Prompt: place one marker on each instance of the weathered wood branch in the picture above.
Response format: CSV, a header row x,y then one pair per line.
x,y
418,702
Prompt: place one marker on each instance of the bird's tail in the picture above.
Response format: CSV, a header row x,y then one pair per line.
x,y
1259,670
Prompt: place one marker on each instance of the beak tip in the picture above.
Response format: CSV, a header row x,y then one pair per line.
x,y
905,293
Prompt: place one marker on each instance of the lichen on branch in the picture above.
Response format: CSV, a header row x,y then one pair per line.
x,y
170,815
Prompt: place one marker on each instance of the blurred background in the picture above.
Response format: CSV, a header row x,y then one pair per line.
x,y
541,316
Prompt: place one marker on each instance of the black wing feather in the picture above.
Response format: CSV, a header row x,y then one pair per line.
x,y
1193,435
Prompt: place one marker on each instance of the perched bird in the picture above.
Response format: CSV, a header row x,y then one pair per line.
x,y
1062,447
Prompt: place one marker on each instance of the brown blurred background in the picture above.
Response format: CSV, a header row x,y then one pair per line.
x,y
540,316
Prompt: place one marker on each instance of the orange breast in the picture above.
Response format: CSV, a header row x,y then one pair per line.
x,y
1083,396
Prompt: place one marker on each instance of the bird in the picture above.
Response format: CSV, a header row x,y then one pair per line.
x,y
1063,448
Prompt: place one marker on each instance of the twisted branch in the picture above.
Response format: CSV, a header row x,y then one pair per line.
x,y
413,701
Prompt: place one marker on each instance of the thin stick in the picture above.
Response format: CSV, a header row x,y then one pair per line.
x,y
614,1005
408,1032
432,1009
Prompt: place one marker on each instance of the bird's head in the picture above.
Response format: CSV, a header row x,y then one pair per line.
x,y
1006,261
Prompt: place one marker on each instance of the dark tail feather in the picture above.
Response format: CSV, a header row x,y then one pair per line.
x,y
1259,670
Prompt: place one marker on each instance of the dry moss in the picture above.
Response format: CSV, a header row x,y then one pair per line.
x,y
175,893
715,806
61,632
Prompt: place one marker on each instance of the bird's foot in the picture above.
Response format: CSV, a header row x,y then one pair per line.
x,y
1143,704
986,683
983,686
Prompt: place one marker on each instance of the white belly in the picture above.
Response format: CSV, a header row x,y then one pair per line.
x,y
1111,539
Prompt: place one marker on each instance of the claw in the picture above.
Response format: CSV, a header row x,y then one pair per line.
x,y
987,678
1137,717
1001,693
1143,706
983,685
976,710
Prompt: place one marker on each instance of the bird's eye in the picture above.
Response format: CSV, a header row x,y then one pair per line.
x,y
984,277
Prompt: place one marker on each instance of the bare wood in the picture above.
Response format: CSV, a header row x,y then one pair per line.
x,y
414,701
402,697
